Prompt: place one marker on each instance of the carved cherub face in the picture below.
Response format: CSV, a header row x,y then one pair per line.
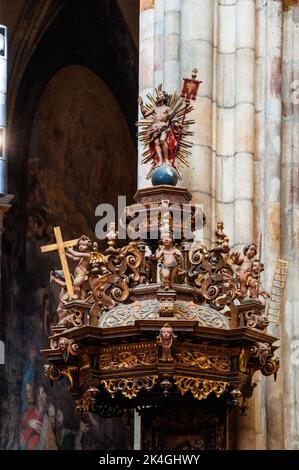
x,y
166,239
250,251
166,332
257,267
63,343
84,244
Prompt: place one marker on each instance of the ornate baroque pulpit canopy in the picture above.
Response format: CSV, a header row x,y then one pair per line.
x,y
163,316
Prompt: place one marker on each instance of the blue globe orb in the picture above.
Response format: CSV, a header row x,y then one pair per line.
x,y
164,174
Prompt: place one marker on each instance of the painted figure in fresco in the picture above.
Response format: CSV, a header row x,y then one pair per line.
x,y
170,258
28,397
82,256
248,272
52,415
165,130
165,339
36,428
67,439
31,426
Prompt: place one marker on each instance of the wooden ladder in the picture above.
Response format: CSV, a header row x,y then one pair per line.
x,y
277,290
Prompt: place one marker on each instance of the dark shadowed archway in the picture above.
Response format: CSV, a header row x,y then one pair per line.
x,y
72,146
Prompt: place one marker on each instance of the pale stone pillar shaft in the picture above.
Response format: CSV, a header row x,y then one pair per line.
x,y
249,430
146,67
234,160
271,207
259,159
172,79
244,135
197,36
272,157
226,104
290,226
260,114
159,42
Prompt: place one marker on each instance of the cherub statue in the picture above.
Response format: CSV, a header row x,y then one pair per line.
x,y
165,339
249,272
170,257
83,257
163,127
57,277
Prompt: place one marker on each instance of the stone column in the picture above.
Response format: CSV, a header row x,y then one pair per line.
x,y
289,232
244,134
270,178
266,421
271,208
159,42
172,79
197,50
146,66
259,427
226,105
259,161
248,432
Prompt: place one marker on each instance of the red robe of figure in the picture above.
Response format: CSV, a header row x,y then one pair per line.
x,y
31,425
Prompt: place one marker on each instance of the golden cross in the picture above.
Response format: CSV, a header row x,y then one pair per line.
x,y
60,245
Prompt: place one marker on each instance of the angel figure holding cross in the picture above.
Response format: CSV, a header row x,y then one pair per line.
x,y
82,256
72,285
